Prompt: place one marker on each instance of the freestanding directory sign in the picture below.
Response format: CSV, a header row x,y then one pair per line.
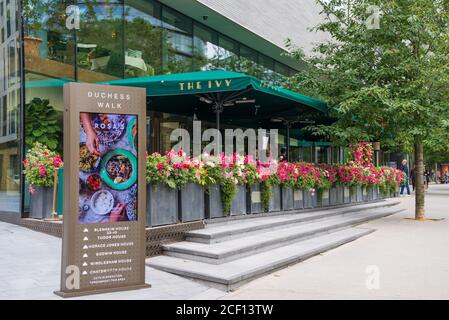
x,y
104,189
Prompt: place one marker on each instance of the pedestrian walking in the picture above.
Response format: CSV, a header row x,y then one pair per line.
x,y
412,177
426,179
404,168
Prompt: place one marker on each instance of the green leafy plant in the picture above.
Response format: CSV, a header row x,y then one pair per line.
x,y
41,124
266,190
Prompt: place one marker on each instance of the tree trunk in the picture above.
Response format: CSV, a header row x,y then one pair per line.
x,y
419,182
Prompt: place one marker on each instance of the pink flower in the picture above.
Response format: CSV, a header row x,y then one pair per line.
x,y
42,171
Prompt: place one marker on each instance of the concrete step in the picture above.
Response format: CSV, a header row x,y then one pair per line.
x,y
263,240
230,275
219,232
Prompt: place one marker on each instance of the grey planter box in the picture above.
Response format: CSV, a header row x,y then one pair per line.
x,y
325,199
238,206
308,199
376,193
213,204
191,203
359,194
333,196
287,198
254,202
162,205
298,199
41,202
340,195
275,201
346,195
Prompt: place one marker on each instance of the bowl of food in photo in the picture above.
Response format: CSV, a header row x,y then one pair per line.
x,y
109,127
119,169
102,202
88,161
93,182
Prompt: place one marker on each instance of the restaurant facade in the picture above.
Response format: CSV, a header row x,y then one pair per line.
x,y
150,44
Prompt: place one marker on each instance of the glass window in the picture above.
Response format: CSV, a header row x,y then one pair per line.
x,y
49,45
100,41
206,51
266,65
177,42
143,38
248,62
228,54
9,109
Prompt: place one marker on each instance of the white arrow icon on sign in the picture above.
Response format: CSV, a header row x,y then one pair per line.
x,y
85,238
85,230
85,255
85,247
84,272
84,264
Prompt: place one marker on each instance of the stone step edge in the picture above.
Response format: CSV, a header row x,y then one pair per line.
x,y
199,236
234,218
269,244
244,277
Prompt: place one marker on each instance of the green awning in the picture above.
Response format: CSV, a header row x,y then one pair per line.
x,y
212,81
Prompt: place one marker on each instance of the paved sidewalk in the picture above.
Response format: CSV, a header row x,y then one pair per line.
x,y
30,269
411,257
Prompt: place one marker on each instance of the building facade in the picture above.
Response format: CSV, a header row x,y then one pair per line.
x,y
44,44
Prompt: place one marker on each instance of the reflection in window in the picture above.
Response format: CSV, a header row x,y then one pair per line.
x,y
206,50
229,54
177,42
143,51
100,41
248,62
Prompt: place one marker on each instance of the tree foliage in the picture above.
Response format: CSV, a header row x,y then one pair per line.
x,y
389,84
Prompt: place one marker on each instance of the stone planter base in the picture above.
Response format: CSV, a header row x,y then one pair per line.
x,y
41,202
298,199
287,198
162,205
346,195
310,201
325,199
191,203
275,201
254,202
213,204
238,206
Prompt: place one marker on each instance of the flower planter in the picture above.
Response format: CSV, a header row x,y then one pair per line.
x,y
340,195
333,196
238,206
191,203
346,195
162,205
287,198
376,192
275,201
359,194
309,199
323,198
298,199
41,202
254,199
213,204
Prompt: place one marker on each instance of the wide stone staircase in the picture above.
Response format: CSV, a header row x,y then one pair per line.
x,y
229,253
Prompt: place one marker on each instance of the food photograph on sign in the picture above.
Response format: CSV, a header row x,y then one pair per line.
x,y
107,168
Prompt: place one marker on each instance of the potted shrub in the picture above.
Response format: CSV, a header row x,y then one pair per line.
x,y
162,192
39,169
304,186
